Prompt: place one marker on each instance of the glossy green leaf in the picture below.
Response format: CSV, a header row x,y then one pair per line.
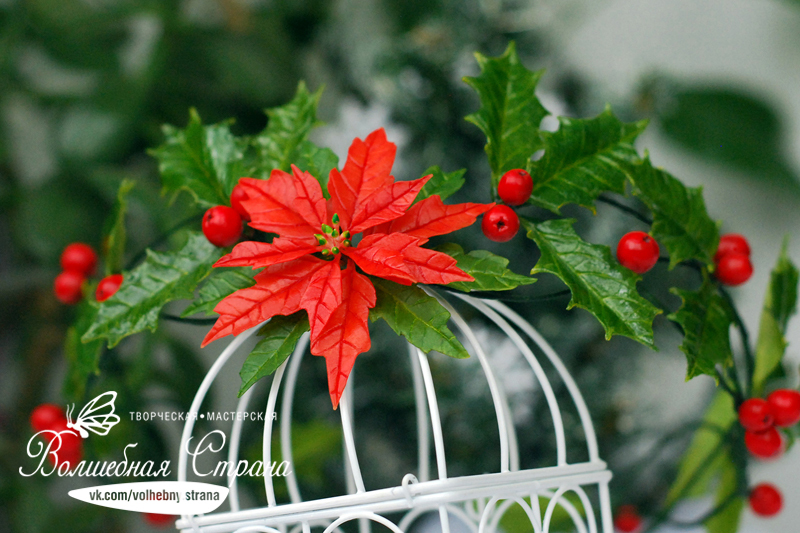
x,y
82,358
510,113
695,474
583,159
706,320
282,142
160,279
680,221
115,234
317,161
445,184
490,271
727,520
597,282
206,161
416,316
780,304
221,283
279,337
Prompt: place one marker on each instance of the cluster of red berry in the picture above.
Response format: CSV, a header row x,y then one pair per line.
x,y
49,417
223,225
732,260
501,223
760,419
79,262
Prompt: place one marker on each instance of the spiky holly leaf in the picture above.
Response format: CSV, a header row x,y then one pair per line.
x,y
490,271
82,358
317,161
206,161
780,304
115,235
680,220
583,159
283,142
597,282
444,184
510,113
417,317
160,279
220,283
705,319
279,337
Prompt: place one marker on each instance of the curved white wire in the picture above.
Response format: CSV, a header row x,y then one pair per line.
x,y
286,421
366,515
233,450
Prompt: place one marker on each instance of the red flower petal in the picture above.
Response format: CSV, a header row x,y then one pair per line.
x,y
291,206
367,169
279,290
399,258
324,294
346,335
261,254
386,204
430,217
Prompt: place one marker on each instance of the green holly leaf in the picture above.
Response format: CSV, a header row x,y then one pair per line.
x,y
445,184
115,235
82,358
161,278
680,220
283,140
780,304
221,283
701,461
705,319
510,113
416,316
279,338
490,271
207,161
318,162
583,159
597,282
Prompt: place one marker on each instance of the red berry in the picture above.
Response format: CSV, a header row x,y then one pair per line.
x,y
79,257
755,414
785,405
46,416
500,223
766,500
627,519
222,226
734,269
764,444
68,287
637,251
158,520
238,195
515,187
731,243
71,450
107,287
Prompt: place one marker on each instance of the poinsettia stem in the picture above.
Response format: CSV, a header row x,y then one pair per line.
x,y
493,295
195,321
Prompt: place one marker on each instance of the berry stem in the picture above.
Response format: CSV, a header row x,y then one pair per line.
x,y
627,209
162,239
194,321
743,332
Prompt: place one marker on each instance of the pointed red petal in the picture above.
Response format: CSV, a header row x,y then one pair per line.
x,y
399,258
291,206
367,169
279,290
346,335
260,254
430,217
324,294
386,204
382,255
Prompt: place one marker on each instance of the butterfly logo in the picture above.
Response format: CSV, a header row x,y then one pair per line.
x,y
97,416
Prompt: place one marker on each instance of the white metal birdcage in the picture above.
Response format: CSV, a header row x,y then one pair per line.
x,y
476,502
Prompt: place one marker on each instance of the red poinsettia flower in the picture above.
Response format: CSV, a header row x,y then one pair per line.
x,y
311,265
